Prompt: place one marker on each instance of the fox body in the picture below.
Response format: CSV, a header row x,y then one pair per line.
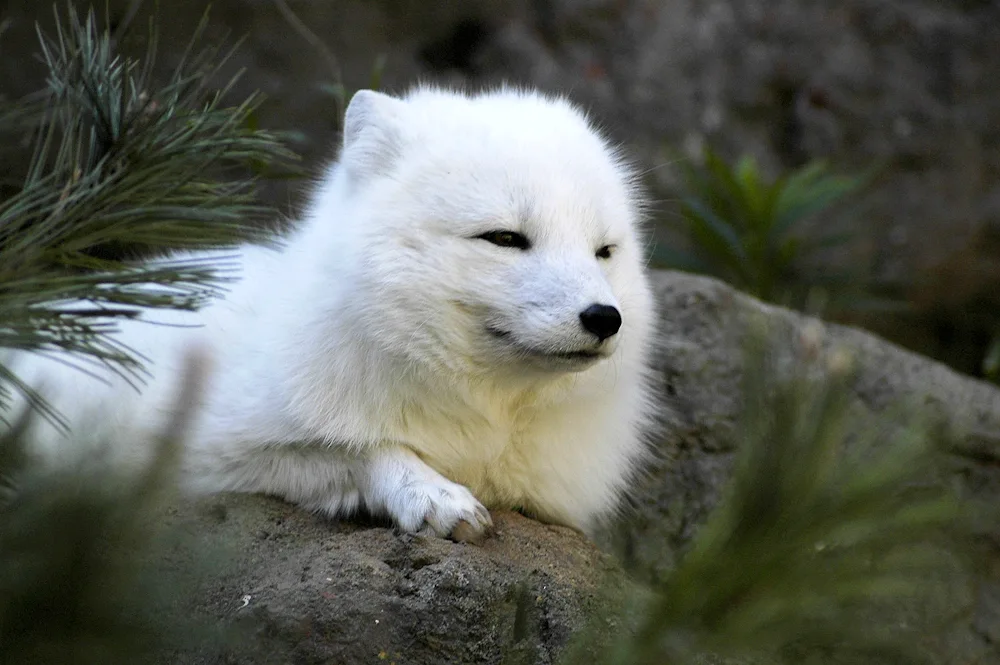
x,y
460,319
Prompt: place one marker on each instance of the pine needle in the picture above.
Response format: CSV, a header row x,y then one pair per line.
x,y
123,168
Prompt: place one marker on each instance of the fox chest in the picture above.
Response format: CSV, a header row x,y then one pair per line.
x,y
499,463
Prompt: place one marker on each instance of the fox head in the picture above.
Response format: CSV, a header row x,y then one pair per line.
x,y
494,233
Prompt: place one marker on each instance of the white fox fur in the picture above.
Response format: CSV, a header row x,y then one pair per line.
x,y
387,356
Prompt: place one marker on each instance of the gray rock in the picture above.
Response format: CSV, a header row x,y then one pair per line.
x,y
297,588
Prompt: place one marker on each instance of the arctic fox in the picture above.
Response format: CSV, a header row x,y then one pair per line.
x,y
460,320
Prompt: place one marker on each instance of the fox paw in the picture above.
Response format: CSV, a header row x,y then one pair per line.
x,y
447,509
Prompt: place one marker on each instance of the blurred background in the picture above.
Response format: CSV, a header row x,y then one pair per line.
x,y
837,156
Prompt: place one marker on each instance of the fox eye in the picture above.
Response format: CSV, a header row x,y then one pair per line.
x,y
605,252
505,239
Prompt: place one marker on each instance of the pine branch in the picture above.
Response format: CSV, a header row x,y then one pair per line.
x,y
123,168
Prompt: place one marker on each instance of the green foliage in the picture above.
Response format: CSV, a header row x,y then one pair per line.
x,y
814,537
334,86
78,582
122,167
991,362
751,232
342,96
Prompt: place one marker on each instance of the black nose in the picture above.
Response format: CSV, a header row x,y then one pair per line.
x,y
602,320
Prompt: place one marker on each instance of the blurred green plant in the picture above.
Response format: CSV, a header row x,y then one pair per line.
x,y
751,232
342,96
991,361
334,86
79,584
821,533
122,167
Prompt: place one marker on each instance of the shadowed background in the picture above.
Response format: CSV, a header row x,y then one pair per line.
x,y
906,88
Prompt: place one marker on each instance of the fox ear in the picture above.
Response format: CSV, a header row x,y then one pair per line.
x,y
371,133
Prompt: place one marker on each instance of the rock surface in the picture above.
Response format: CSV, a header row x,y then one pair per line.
x,y
323,592
301,589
